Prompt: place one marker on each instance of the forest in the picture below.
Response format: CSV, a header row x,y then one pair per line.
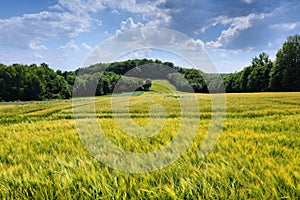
x,y
265,75
32,82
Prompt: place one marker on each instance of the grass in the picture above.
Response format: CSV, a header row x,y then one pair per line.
x,y
162,86
256,156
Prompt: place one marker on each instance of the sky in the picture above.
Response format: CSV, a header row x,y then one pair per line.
x,y
63,33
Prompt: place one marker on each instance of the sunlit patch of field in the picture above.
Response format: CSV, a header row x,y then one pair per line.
x,y
256,156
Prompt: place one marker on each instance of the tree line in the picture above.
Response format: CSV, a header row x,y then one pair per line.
x,y
264,75
32,82
184,79
23,82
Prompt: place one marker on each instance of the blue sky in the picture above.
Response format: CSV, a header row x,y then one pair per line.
x,y
62,33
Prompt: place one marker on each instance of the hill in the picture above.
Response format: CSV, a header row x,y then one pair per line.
x,y
162,86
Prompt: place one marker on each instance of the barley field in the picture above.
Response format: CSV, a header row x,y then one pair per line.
x,y
257,156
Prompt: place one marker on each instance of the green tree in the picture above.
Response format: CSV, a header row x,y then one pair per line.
x,y
147,85
231,82
258,79
196,80
286,71
243,79
262,59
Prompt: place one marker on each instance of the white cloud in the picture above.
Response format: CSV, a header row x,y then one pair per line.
x,y
27,30
69,46
286,26
107,34
138,54
86,46
214,44
237,24
100,55
70,18
247,1
193,45
38,56
83,6
201,30
149,10
35,46
114,11
129,24
56,7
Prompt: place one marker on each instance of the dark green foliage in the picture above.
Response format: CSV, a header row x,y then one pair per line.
x,y
179,81
286,72
196,80
264,75
22,82
243,78
231,82
147,85
107,83
189,80
258,79
215,83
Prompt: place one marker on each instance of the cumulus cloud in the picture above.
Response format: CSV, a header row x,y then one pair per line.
x,y
85,46
36,46
56,7
70,18
25,31
193,45
69,46
38,56
237,24
83,6
165,41
151,11
129,24
138,54
286,26
191,17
